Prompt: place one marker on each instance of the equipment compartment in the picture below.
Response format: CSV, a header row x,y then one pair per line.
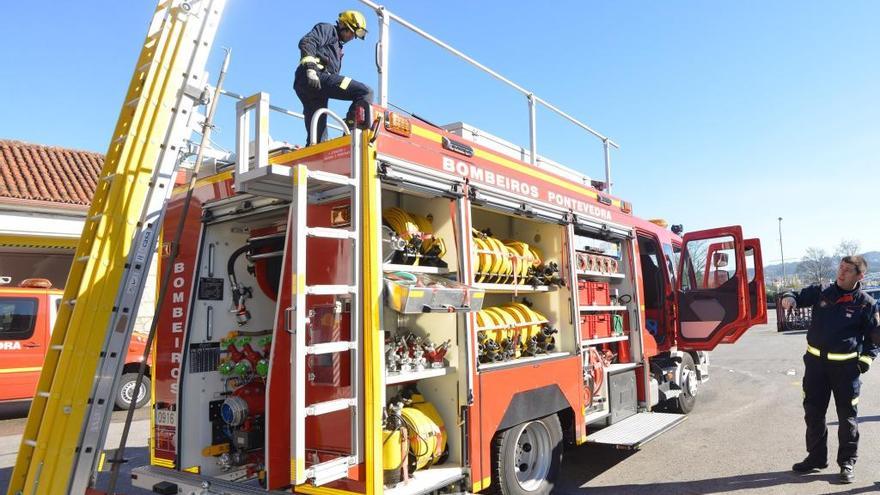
x,y
520,262
423,326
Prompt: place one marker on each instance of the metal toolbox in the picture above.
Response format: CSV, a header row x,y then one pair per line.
x,y
407,292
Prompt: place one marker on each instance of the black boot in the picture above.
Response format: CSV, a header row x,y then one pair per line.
x,y
807,465
847,475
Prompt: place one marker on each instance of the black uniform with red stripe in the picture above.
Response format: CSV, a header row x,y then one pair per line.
x,y
321,48
839,348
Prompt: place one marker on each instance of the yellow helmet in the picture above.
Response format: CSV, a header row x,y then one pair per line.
x,y
354,21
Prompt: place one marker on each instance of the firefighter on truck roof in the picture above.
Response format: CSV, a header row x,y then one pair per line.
x,y
317,77
839,349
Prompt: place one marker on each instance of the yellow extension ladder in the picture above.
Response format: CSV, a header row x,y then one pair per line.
x,y
70,413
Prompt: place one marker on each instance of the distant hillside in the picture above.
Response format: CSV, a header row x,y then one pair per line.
x,y
772,271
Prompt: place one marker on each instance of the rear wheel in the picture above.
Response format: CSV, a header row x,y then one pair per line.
x,y
527,457
126,391
686,401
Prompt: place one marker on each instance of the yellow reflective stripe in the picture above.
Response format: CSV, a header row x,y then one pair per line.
x,y
842,357
831,355
855,401
308,59
866,359
345,82
19,370
158,461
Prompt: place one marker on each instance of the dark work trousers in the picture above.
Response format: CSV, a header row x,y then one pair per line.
x,y
822,378
333,86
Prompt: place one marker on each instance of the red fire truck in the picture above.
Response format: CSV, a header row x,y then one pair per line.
x,y
403,310
27,315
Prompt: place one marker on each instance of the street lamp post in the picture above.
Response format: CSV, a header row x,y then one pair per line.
x,y
780,252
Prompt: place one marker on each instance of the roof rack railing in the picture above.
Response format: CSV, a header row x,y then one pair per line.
x,y
385,18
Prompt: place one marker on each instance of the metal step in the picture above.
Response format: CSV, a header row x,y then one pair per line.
x,y
637,430
328,471
147,477
330,347
330,290
321,408
329,233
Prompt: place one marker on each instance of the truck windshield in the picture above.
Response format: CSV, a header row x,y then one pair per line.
x,y
17,318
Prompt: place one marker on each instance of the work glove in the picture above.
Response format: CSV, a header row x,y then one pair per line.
x,y
864,364
312,76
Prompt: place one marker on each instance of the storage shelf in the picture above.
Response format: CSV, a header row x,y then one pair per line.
x,y
390,267
510,288
600,274
412,376
602,308
618,367
522,360
605,340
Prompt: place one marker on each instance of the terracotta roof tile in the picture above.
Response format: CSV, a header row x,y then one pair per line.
x,y
47,173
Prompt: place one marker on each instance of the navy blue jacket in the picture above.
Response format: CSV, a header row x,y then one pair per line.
x,y
323,43
842,320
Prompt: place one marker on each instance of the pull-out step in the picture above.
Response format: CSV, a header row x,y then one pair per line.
x,y
162,480
637,430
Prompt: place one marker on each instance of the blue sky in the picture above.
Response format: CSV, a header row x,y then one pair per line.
x,y
734,112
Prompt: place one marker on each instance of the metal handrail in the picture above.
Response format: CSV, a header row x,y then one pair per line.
x,y
313,125
382,66
281,110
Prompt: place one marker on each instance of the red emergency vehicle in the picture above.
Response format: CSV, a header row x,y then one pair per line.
x,y
27,314
406,310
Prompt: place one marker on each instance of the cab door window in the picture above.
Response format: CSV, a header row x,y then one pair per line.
x,y
18,318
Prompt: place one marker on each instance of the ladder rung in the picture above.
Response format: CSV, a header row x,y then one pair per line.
x,y
330,290
70,302
321,408
83,258
341,180
330,233
108,177
57,347
43,394
95,218
328,471
30,443
330,347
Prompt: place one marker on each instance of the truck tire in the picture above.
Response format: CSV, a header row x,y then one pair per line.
x,y
685,402
527,457
126,391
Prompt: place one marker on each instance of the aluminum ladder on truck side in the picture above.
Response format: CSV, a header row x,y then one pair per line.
x,y
68,419
305,183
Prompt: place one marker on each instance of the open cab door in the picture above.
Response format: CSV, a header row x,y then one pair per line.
x,y
757,291
712,291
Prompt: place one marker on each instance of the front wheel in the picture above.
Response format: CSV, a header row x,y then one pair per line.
x,y
527,457
126,391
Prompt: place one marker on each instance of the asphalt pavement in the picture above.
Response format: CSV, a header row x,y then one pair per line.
x,y
743,436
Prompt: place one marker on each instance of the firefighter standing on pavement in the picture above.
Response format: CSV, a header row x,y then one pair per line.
x,y
839,349
317,76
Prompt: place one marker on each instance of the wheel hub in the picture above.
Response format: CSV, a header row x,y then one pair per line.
x,y
127,392
689,377
533,456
